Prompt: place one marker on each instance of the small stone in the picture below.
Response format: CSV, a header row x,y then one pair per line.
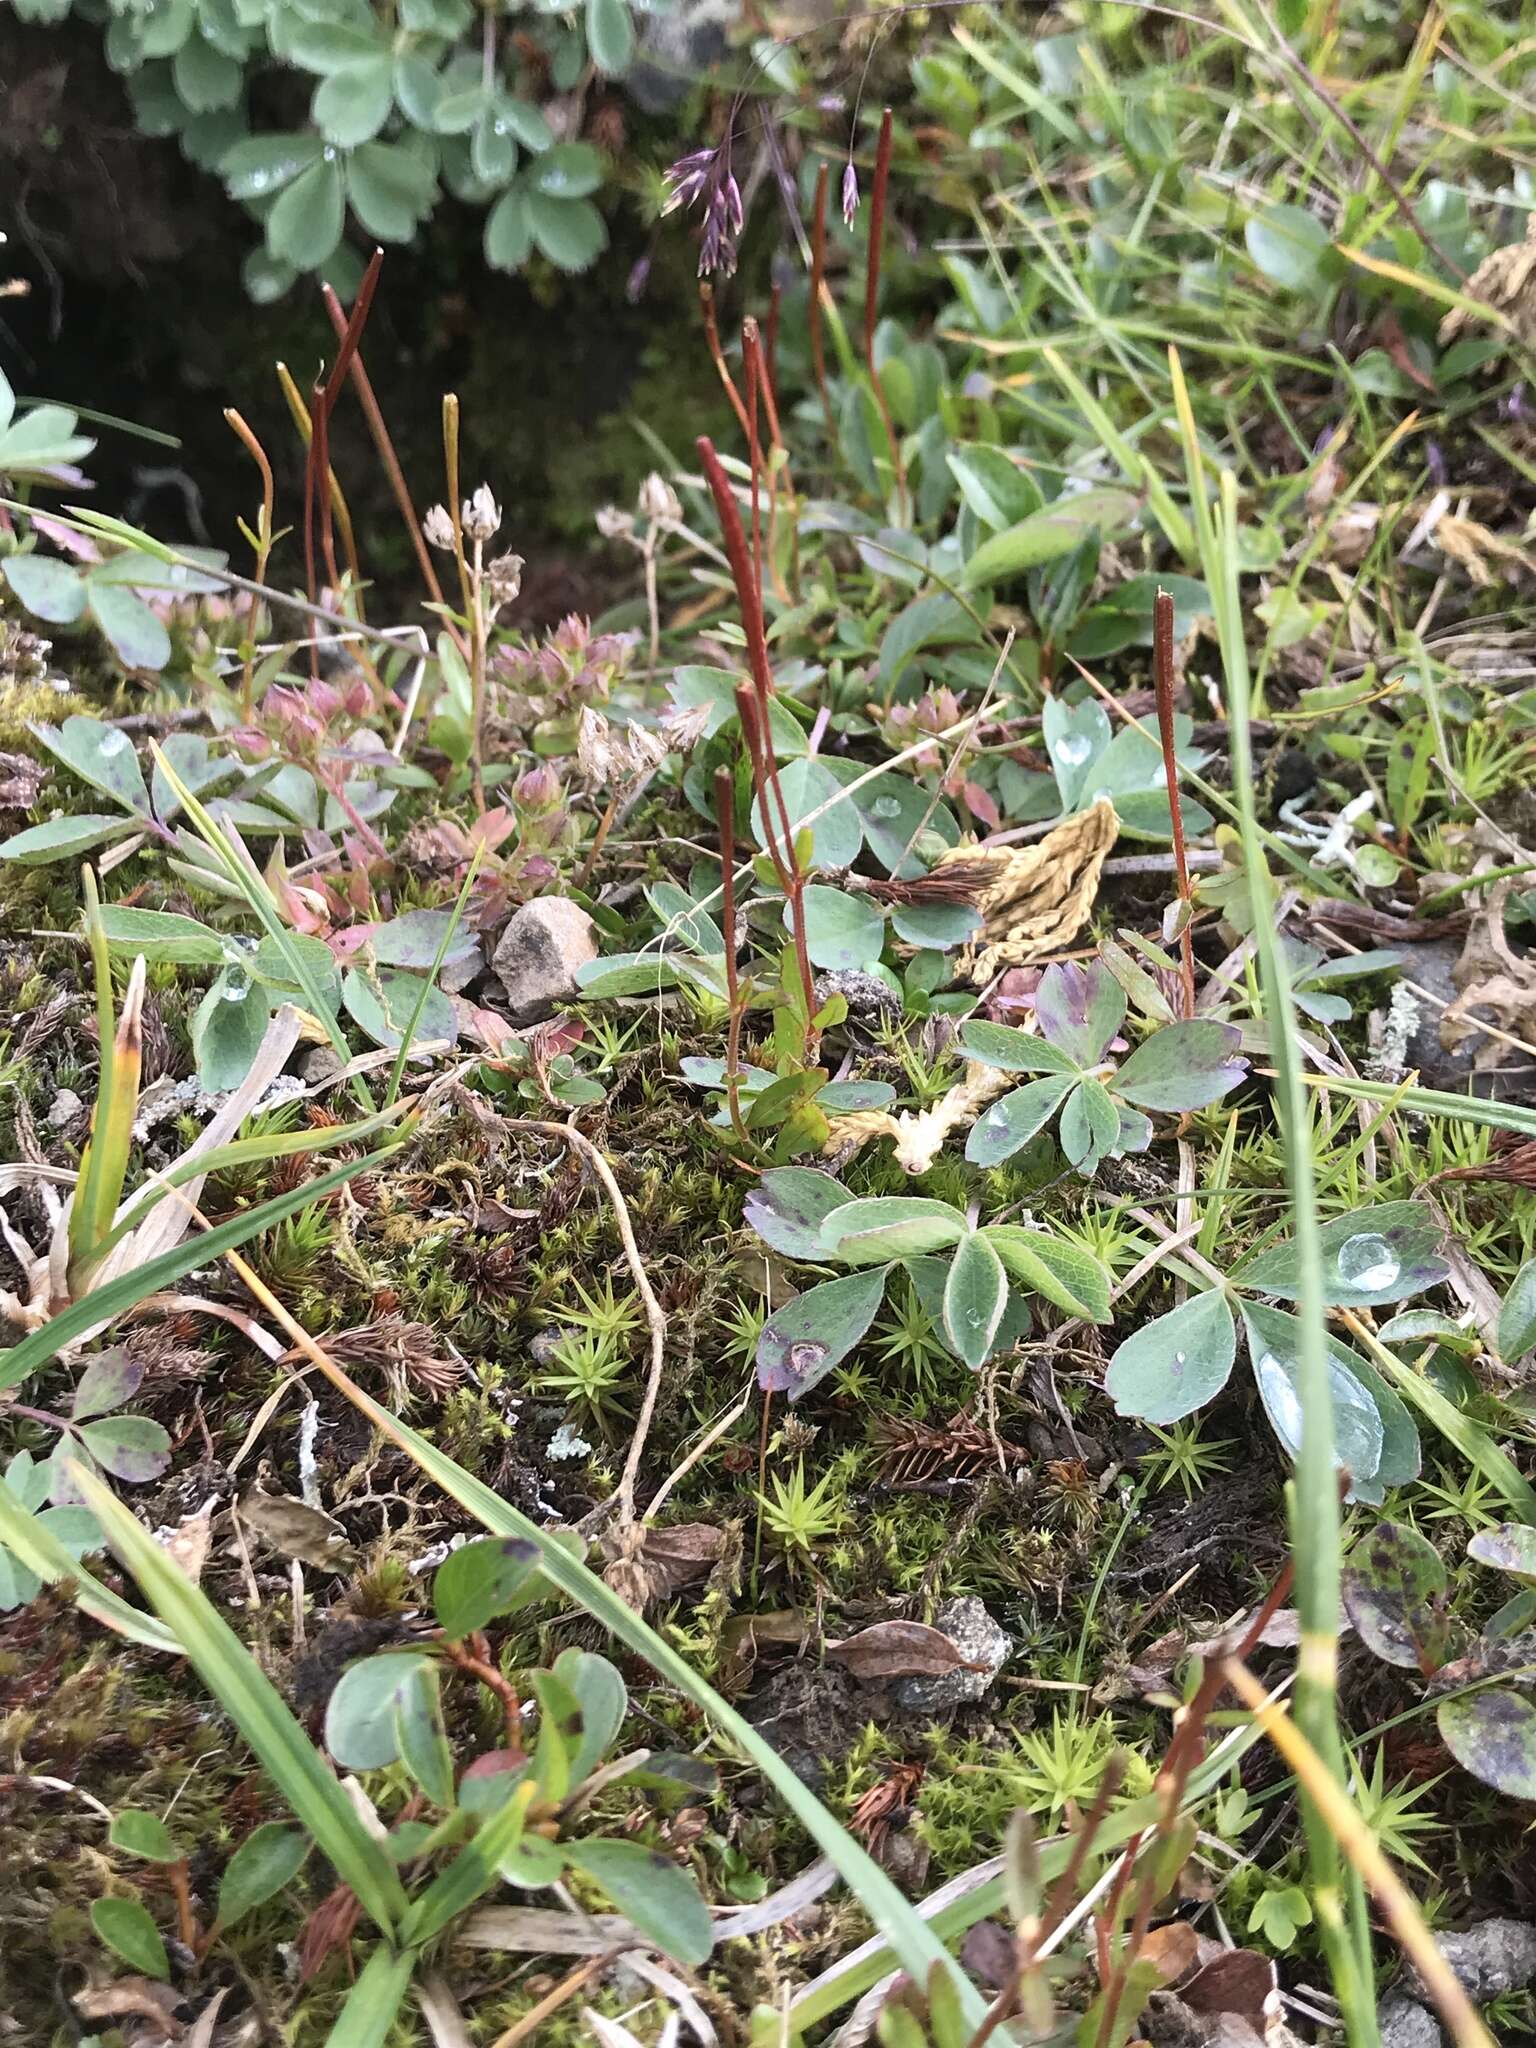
x,y
979,1640
538,955
1405,2024
320,1065
1490,1959
63,1110
868,996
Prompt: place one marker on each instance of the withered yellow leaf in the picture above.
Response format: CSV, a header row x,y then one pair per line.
x,y
1039,897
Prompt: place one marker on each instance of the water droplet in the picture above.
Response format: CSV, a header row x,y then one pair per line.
x,y
1099,796
1368,1262
887,807
258,181
237,948
112,741
237,985
500,127
1280,1397
553,180
1181,1358
805,1356
1073,749
330,154
973,1318
997,1119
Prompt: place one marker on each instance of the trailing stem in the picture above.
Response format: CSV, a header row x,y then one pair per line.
x,y
1163,679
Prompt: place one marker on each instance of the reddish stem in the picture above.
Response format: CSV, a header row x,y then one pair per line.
x,y
751,367
818,286
717,354
725,823
317,468
872,294
1163,679
734,536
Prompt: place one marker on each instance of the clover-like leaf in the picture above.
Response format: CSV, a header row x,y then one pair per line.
x,y
975,1296
1063,1273
802,1341
1080,1008
1394,1589
1275,1346
101,755
1183,1066
865,1233
1175,1364
1015,1118
1015,1051
1492,1734
130,1447
1090,1125
789,1205
1380,1254
841,931
109,1379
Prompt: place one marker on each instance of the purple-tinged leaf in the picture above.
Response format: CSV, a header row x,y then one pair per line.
x,y
815,1331
109,1379
1080,1008
1394,1590
1169,1368
1090,1125
1183,1066
789,1205
1369,1257
1509,1548
130,1447
1493,1735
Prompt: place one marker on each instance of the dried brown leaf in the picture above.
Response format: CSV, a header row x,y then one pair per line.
x,y
1491,976
898,1649
187,1544
1505,280
919,1136
646,1565
1170,1949
297,1530
133,1998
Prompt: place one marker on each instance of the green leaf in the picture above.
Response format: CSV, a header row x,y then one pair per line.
x,y
653,1892
127,1929
1275,1347
370,2009
144,1835
890,1227
1394,1589
599,1691
62,838
571,170
304,226
1517,1317
161,935
138,638
935,619
841,931
807,785
352,104
1492,1734
1371,1256
1183,1066
610,36
1047,535
508,238
45,1549
360,1728
570,232
134,1448
51,589
479,1581
1174,1365
102,756
261,166
390,189
1080,1009
788,1206
935,926
227,1027
1015,1118
384,1004
109,1379
1000,492
1065,1274
1289,245
472,1872
802,1341
1090,1125
1015,1051
975,1295
421,1736
270,1857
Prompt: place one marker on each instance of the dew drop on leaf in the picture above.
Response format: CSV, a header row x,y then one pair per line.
x,y
237,985
1181,1358
1368,1262
886,807
1073,750
1280,1396
112,741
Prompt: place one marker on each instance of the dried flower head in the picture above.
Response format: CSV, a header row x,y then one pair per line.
x,y
481,515
504,579
596,754
850,192
706,177
438,528
613,524
658,502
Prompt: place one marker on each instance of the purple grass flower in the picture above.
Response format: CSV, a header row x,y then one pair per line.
x,y
707,176
850,193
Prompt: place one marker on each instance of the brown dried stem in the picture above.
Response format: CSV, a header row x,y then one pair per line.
x,y
725,823
872,299
1163,662
717,354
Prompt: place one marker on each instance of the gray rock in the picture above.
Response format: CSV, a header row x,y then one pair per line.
x,y
868,996
1405,2024
63,1110
320,1064
539,953
980,1641
1494,1957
